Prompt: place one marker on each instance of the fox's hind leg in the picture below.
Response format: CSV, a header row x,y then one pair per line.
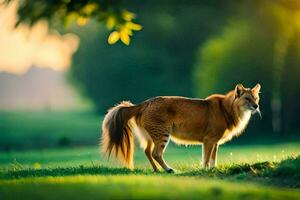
x,y
148,152
147,144
160,143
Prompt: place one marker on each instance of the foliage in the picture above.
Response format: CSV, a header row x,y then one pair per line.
x,y
241,41
112,13
260,44
246,46
158,61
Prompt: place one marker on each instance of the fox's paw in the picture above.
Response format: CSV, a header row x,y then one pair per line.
x,y
170,171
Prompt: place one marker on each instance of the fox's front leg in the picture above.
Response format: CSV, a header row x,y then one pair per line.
x,y
213,159
207,150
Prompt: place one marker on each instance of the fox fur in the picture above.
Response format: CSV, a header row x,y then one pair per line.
x,y
211,121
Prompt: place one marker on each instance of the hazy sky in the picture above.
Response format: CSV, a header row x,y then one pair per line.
x,y
24,47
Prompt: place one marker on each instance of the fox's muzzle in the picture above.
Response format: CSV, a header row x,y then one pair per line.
x,y
257,110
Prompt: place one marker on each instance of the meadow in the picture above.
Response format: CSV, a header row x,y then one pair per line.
x,y
76,171
244,172
47,129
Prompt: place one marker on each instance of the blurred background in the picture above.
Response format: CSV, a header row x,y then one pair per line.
x,y
56,82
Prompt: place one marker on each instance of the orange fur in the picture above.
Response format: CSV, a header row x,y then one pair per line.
x,y
211,121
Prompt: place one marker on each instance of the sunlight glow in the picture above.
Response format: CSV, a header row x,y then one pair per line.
x,y
24,46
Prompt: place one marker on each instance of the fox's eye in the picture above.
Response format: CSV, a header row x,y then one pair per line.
x,y
247,98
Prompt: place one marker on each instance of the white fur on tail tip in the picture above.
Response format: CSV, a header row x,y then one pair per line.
x,y
105,135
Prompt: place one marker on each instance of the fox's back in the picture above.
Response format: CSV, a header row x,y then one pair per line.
x,y
173,108
185,118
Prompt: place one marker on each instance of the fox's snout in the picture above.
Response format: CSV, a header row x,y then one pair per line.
x,y
255,106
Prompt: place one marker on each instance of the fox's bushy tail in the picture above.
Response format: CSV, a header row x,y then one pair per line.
x,y
117,134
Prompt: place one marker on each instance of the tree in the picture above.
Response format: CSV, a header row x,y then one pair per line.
x,y
111,12
253,48
158,62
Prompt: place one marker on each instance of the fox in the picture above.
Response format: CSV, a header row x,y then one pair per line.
x,y
209,122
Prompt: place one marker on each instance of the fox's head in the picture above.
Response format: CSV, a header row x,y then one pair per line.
x,y
247,98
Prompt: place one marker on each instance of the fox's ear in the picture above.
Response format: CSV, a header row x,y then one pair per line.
x,y
239,89
256,88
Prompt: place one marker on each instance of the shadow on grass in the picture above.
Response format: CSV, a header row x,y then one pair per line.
x,y
285,174
68,171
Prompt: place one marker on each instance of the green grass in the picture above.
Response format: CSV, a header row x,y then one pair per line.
x,y
180,157
245,172
44,129
285,173
136,187
260,171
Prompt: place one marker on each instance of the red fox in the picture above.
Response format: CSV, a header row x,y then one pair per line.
x,y
211,121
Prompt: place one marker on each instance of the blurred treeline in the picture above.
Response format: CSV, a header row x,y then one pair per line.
x,y
196,48
190,48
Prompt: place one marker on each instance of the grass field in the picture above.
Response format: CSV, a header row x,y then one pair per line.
x,y
81,173
61,168
45,129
